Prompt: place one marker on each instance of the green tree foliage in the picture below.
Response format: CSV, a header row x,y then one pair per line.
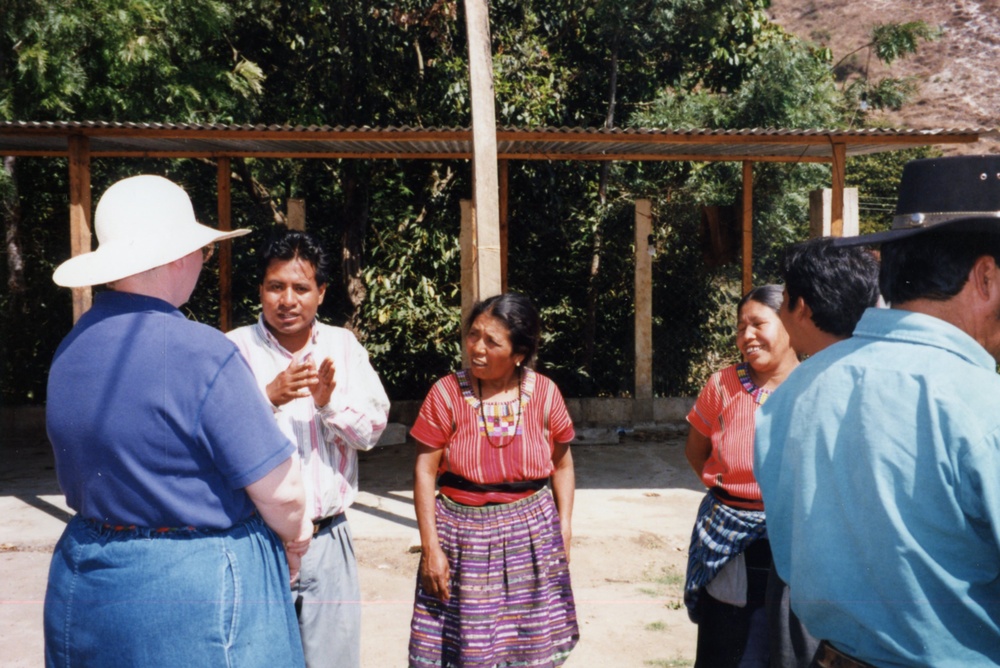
x,y
137,60
887,43
392,226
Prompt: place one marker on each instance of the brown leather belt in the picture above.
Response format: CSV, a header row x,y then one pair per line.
x,y
828,656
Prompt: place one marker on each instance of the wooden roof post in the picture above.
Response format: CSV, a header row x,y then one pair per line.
x,y
643,404
484,150
467,243
747,226
79,213
225,247
838,168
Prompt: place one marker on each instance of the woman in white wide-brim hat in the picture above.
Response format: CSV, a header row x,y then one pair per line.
x,y
183,485
141,222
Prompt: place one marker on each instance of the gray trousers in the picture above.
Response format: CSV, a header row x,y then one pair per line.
x,y
328,600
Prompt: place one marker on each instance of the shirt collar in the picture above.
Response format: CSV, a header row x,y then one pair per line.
x,y
125,302
266,334
910,327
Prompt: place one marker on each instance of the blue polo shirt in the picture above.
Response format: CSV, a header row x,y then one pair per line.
x,y
879,463
156,420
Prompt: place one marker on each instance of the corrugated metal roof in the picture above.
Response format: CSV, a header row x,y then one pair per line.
x,y
22,138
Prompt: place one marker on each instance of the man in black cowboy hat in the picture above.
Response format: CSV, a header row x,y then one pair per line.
x,y
879,458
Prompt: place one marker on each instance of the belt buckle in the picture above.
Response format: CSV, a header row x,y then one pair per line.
x,y
322,523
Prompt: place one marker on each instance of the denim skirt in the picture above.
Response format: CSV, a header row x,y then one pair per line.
x,y
189,597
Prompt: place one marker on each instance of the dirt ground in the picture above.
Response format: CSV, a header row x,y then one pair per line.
x,y
635,505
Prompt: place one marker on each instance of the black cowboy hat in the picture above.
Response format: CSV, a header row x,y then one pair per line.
x,y
940,191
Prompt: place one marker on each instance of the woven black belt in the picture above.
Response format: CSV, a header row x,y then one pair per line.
x,y
455,481
319,525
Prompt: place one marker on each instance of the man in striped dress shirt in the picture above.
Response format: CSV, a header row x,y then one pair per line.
x,y
327,399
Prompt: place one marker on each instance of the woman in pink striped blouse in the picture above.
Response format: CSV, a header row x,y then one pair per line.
x,y
493,586
730,556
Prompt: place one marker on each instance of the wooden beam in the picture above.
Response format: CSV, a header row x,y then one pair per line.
x,y
643,407
747,226
504,177
837,169
458,154
224,178
485,198
79,214
392,152
612,156
745,137
298,135
466,244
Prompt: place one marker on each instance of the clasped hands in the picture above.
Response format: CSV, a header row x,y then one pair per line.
x,y
301,379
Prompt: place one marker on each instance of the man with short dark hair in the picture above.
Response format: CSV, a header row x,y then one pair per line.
x,y
827,289
879,458
327,398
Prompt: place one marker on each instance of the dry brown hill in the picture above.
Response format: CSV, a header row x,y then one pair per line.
x,y
958,75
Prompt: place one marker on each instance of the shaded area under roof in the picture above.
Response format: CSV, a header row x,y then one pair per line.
x,y
185,140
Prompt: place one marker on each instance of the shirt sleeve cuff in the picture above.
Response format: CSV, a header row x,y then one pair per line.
x,y
336,405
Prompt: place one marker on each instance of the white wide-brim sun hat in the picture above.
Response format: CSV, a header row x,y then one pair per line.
x,y
141,222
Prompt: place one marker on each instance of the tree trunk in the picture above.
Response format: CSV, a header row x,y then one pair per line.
x,y
590,326
260,195
12,237
352,244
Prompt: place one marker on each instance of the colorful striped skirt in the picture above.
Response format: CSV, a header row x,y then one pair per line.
x,y
511,601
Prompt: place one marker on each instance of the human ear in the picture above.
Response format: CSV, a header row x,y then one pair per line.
x,y
985,277
802,310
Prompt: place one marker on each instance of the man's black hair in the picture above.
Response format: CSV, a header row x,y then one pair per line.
x,y
936,264
288,244
837,284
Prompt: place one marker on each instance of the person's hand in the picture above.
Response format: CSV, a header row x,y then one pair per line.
x,y
325,383
296,549
294,568
435,573
295,382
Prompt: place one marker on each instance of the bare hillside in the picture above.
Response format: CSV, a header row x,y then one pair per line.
x,y
957,75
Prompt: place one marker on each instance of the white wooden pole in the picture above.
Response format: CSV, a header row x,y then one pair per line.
x,y
485,197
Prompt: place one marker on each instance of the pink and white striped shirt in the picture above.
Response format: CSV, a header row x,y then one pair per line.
x,y
451,417
328,438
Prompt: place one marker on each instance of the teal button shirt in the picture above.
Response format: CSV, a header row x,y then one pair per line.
x,y
879,463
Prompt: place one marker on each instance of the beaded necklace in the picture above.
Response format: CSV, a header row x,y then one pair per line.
x,y
759,394
517,419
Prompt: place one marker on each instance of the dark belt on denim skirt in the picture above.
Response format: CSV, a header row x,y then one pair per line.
x,y
319,525
828,656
